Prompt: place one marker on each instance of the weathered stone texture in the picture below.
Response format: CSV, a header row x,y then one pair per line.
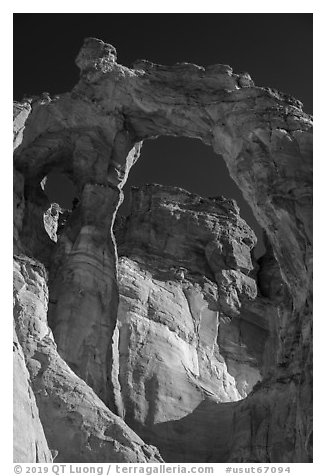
x,y
29,440
77,425
183,334
195,311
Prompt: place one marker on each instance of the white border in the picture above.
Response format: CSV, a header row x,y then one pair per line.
x,y
176,6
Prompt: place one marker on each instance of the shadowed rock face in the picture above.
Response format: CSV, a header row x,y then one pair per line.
x,y
189,295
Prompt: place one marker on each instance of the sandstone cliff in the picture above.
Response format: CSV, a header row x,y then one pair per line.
x,y
190,326
182,330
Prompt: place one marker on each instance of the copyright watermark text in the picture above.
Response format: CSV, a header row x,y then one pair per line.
x,y
113,469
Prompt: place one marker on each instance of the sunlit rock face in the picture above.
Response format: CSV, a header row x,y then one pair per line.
x,y
78,427
194,311
26,415
183,333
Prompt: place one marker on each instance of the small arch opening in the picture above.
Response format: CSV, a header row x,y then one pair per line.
x,y
192,165
62,195
60,189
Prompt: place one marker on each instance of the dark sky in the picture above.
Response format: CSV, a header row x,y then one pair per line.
x,y
276,49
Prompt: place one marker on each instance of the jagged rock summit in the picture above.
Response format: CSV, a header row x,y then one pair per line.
x,y
135,334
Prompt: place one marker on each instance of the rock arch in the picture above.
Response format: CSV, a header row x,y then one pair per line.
x,y
94,134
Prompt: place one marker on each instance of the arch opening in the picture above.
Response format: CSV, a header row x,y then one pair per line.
x,y
62,195
217,338
190,164
60,189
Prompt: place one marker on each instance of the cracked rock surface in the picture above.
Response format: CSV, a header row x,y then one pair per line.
x,y
169,328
